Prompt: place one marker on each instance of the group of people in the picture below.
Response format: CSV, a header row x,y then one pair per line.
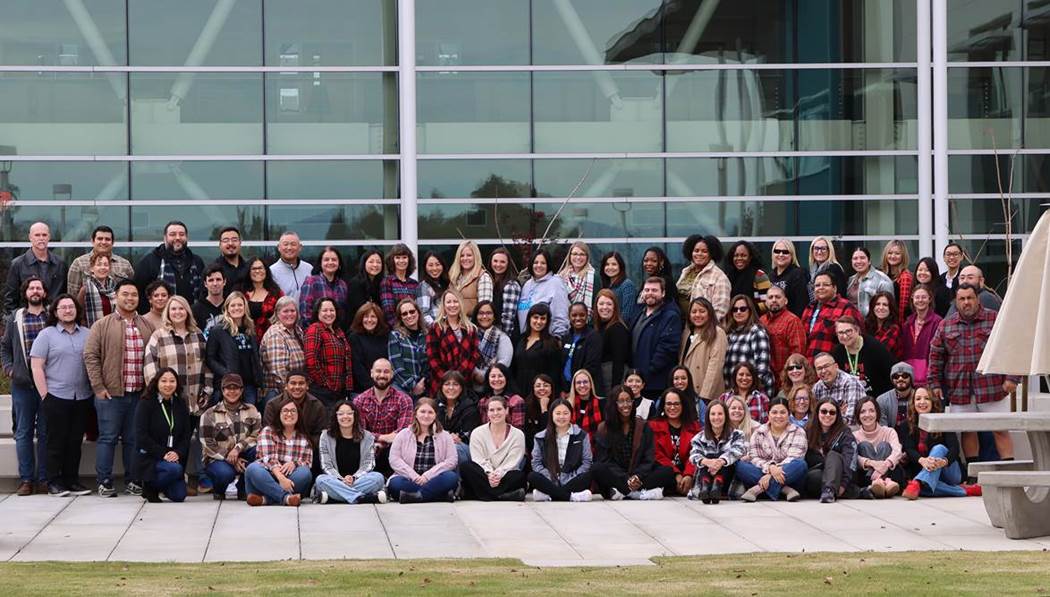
x,y
278,382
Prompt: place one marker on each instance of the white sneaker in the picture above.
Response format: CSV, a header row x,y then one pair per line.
x,y
381,497
656,493
539,496
321,497
634,495
580,496
231,490
616,495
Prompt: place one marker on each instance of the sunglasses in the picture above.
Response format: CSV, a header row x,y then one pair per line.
x,y
781,252
795,367
825,411
741,309
409,312
899,376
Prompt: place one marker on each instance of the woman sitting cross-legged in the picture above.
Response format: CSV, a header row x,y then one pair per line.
x,y
776,457
831,456
497,451
348,459
932,458
561,459
878,452
625,465
282,472
424,459
162,436
714,452
673,432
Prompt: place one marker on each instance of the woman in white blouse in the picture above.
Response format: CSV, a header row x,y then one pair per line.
x,y
497,451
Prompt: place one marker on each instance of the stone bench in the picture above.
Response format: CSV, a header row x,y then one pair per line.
x,y
1016,493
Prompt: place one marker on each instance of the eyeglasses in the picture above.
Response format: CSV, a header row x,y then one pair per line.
x,y
781,252
801,398
900,376
741,309
624,402
819,249
825,411
795,367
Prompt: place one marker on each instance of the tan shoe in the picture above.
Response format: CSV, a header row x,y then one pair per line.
x,y
25,488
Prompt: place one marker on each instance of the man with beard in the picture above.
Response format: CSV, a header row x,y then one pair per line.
x,y
893,404
22,328
655,337
312,412
786,333
384,410
208,308
174,263
234,265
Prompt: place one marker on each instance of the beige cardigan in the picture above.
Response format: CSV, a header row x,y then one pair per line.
x,y
507,457
704,362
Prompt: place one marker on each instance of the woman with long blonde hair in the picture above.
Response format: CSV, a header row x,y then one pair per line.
x,y
468,277
232,348
579,276
452,342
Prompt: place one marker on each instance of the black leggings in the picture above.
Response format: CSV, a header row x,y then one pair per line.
x,y
560,493
477,480
826,471
611,476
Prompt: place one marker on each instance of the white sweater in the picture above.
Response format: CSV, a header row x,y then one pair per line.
x,y
507,457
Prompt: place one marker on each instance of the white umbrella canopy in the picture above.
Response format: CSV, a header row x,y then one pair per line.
x,y
1020,341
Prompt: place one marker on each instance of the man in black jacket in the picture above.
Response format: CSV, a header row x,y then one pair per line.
x,y
655,337
38,261
173,262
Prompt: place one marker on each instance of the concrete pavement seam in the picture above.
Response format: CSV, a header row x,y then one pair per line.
x,y
385,532
211,533
124,534
644,532
535,507
689,506
40,530
901,527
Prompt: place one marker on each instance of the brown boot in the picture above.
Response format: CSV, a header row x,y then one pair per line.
x,y
25,488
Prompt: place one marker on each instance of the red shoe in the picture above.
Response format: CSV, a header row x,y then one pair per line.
x,y
292,500
255,499
912,490
973,490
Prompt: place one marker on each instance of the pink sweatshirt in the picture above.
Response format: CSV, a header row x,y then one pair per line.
x,y
881,434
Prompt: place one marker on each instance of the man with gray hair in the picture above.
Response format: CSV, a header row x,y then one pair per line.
x,y
290,271
37,261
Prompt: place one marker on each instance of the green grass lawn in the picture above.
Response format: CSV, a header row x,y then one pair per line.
x,y
939,573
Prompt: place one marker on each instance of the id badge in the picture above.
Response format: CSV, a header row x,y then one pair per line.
x,y
171,441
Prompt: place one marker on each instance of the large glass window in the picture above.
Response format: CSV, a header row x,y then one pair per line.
x,y
473,112
307,180
68,181
334,222
839,109
818,175
459,179
204,221
330,32
987,30
196,180
599,178
981,174
793,218
596,31
63,33
472,32
196,113
991,108
68,223
63,113
331,113
195,33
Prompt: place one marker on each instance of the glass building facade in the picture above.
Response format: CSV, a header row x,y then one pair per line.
x,y
625,123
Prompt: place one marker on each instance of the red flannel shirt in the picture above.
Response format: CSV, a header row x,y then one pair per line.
x,y
394,413
328,358
903,285
890,337
588,416
446,353
818,320
787,335
955,350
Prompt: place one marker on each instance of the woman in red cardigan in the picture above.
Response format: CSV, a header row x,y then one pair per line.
x,y
673,431
452,342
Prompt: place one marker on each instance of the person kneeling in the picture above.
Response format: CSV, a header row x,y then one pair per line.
x,y
347,459
561,459
496,452
714,452
424,459
162,436
282,472
831,456
626,464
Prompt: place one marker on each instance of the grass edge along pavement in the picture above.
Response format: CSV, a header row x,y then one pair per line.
x,y
902,573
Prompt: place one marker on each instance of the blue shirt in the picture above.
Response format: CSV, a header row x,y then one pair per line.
x,y
63,354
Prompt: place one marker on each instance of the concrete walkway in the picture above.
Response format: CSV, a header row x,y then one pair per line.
x,y
599,533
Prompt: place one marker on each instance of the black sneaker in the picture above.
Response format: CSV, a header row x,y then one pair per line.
x,y
133,488
518,495
57,490
827,496
411,497
106,490
370,498
78,489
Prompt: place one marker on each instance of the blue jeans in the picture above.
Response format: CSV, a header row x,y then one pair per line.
x,y
250,395
749,475
32,464
943,482
463,452
435,490
116,420
338,490
168,479
258,479
222,473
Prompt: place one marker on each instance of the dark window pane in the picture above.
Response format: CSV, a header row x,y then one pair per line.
x,y
793,218
331,32
195,33
204,221
70,223
198,181
68,181
997,30
599,178
308,180
460,179
981,217
818,175
55,33
336,222
473,112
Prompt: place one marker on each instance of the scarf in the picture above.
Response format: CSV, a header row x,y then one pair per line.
x,y
94,290
580,286
489,345
172,265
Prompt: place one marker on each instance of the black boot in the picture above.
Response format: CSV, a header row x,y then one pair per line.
x,y
150,494
704,489
716,490
411,497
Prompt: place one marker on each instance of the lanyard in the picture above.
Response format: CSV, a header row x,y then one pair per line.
x,y
853,361
167,417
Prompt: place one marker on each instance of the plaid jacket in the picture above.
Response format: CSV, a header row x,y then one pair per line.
x,y
281,352
764,450
394,413
508,319
274,449
328,358
955,350
819,322
445,353
318,286
262,322
903,286
712,284
750,345
757,404
846,390
408,355
787,335
221,430
391,290
890,337
729,449
515,407
186,355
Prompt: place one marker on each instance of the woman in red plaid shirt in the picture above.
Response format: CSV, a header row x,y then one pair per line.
x,y
327,354
282,472
452,343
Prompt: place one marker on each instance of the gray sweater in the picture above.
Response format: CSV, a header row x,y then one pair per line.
x,y
328,463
